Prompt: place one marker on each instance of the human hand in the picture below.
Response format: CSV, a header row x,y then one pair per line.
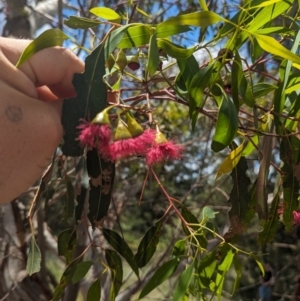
x,y
30,111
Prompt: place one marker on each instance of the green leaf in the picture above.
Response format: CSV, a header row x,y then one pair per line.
x,y
227,124
271,45
115,264
166,30
90,100
81,22
268,13
207,213
188,69
148,244
202,19
94,292
259,264
179,248
161,274
174,50
153,55
241,91
200,81
81,270
66,242
183,283
135,36
49,38
239,199
238,270
207,268
250,146
34,257
105,13
65,279
230,161
223,268
191,219
262,89
120,245
270,224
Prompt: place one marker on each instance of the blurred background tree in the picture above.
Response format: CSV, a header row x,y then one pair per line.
x,y
191,181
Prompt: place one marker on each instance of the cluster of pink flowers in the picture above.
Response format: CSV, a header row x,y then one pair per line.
x,y
128,140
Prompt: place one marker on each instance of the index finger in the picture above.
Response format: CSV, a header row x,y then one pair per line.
x,y
53,67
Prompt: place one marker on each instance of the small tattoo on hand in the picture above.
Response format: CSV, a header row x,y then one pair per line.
x,y
13,113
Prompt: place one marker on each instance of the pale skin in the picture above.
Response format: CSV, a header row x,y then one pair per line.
x,y
30,112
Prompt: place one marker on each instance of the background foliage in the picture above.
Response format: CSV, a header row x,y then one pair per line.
x,y
196,228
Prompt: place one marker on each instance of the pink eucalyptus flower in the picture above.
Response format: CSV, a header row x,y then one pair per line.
x,y
129,147
93,135
296,217
164,151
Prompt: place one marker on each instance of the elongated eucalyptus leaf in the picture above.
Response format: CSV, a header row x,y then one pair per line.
x,y
223,268
262,89
238,266
199,237
120,245
250,146
66,242
166,30
81,270
115,264
188,69
49,38
230,161
241,91
148,244
65,279
290,156
227,124
206,269
90,100
239,200
183,283
270,224
202,19
200,81
161,274
174,50
81,22
153,55
135,36
34,257
102,175
105,13
179,248
94,292
271,45
268,13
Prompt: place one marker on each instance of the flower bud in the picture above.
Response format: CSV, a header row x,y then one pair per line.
x,y
102,117
134,63
122,132
160,137
133,126
121,60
